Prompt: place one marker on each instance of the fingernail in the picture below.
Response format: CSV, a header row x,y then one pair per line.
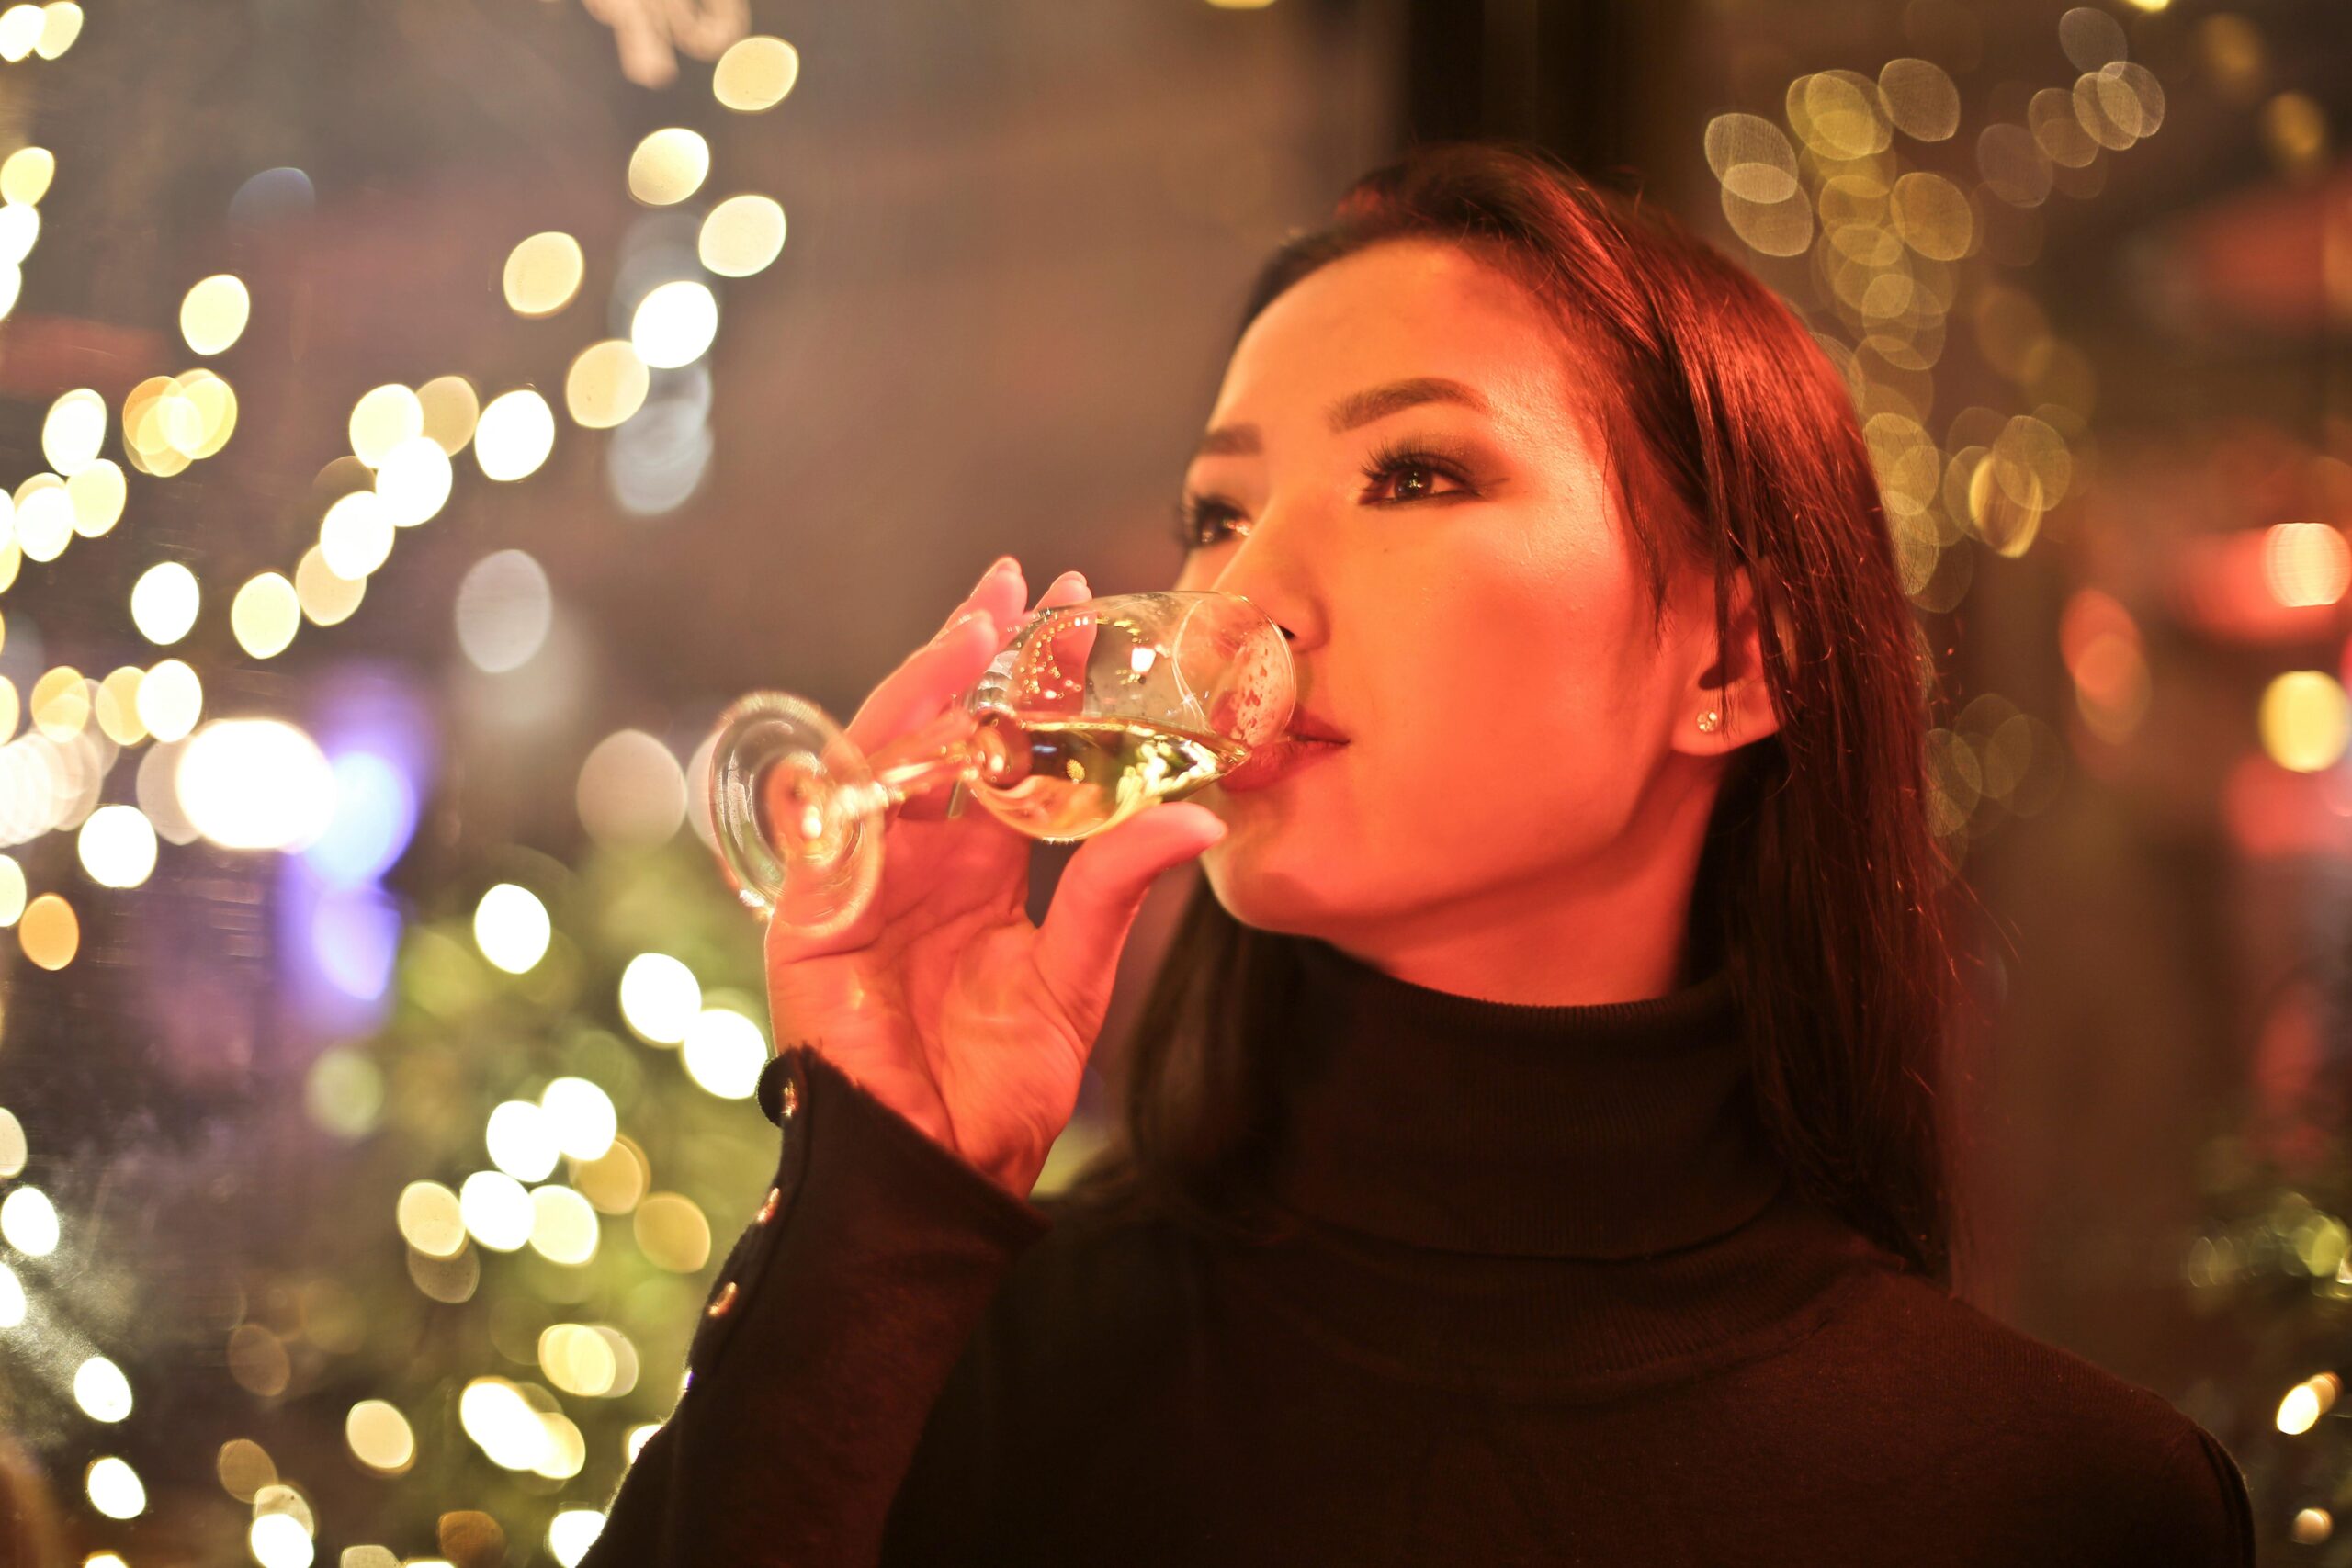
x,y
1004,563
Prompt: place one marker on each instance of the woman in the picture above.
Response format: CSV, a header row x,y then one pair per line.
x,y
1530,1150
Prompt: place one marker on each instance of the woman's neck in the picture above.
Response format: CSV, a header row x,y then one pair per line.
x,y
1612,927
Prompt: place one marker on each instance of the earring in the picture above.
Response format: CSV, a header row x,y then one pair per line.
x,y
1709,719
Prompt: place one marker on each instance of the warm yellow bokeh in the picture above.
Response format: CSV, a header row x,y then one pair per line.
x,y
755,73
741,235
382,419
213,315
2304,720
606,385
265,615
25,175
543,273
668,167
451,408
171,700
515,434
51,932
98,493
327,599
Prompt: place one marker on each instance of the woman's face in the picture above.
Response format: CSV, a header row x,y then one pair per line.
x,y
1463,604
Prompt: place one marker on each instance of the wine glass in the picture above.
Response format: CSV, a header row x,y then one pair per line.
x,y
1091,712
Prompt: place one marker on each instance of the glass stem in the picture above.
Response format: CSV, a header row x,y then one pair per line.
x,y
957,747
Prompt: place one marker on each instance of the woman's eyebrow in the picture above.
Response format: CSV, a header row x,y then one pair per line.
x,y
1355,408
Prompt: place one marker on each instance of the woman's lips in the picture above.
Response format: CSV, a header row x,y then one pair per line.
x,y
1277,759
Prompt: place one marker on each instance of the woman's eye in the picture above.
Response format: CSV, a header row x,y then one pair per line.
x,y
1202,522
1421,474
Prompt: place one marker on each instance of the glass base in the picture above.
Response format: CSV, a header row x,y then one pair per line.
x,y
794,818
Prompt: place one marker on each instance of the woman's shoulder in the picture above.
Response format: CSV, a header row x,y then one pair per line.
x,y
1954,1352
2054,1433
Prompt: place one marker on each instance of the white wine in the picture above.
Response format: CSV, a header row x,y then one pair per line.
x,y
1086,773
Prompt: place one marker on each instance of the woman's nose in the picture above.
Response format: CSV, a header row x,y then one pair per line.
x,y
1267,570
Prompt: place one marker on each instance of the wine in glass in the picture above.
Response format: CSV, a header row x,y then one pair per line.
x,y
1091,712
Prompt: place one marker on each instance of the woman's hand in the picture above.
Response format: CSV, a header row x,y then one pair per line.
x,y
943,1000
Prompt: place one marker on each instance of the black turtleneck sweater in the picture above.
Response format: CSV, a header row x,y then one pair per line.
x,y
1551,1301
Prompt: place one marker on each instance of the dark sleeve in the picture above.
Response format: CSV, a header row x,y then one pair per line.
x,y
824,1342
2201,1517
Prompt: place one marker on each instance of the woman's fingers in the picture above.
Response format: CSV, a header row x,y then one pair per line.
x,y
1070,588
924,683
913,693
1100,891
935,676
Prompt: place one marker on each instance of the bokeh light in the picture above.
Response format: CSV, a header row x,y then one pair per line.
x,y
60,24
255,784
117,846
380,1436
563,1225
265,614
2304,720
742,236
723,1053
542,274
521,1141
327,599
98,492
515,436
572,1532
511,927
668,167
355,538
606,384
497,1211
414,481
171,701
615,1181
2306,564
660,998
582,1116
278,1540
755,73
382,419
74,430
25,173
28,1221
503,611
675,324
672,1232
44,518
50,934
213,315
632,793
431,1219
245,1468
451,407
101,1390
115,1489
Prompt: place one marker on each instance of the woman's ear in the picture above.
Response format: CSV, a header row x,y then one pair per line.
x,y
1725,701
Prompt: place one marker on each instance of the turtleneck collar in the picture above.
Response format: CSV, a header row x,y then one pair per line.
x,y
1609,1131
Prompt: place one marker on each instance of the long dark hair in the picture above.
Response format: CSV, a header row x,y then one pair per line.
x,y
1821,884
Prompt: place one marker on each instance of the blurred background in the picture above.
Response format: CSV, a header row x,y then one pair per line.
x,y
418,424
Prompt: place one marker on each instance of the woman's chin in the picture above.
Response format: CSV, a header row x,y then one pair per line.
x,y
1263,878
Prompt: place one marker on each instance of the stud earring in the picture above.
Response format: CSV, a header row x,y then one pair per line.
x,y
1709,719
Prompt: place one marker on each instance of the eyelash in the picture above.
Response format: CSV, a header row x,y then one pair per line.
x,y
1194,513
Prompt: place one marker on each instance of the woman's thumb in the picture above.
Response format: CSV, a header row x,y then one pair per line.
x,y
1100,891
